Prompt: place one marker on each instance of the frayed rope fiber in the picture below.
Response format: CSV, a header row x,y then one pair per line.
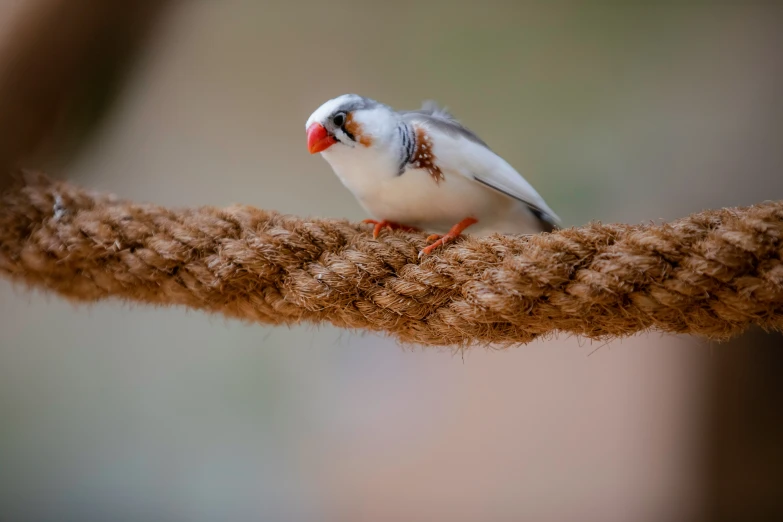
x,y
713,274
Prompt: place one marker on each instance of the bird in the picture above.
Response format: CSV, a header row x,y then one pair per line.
x,y
423,170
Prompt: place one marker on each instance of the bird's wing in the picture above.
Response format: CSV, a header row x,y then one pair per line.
x,y
440,118
460,150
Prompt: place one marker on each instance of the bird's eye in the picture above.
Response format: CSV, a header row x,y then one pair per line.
x,y
339,119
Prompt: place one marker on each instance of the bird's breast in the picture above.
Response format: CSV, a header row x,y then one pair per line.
x,y
417,198
362,172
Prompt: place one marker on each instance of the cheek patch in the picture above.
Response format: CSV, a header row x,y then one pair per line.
x,y
355,128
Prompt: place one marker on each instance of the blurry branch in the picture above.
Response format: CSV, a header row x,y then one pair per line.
x,y
60,66
714,273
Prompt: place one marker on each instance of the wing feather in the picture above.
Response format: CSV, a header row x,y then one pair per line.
x,y
462,151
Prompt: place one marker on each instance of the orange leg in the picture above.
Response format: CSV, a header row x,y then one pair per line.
x,y
453,234
379,225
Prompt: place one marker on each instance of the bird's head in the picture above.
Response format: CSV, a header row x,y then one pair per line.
x,y
350,121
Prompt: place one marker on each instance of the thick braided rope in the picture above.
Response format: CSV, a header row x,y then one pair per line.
x,y
714,273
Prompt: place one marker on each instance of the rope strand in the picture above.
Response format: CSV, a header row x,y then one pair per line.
x,y
714,273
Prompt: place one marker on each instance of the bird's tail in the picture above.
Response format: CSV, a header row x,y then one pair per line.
x,y
547,223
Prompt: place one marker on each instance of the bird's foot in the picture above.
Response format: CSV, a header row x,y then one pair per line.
x,y
454,233
380,225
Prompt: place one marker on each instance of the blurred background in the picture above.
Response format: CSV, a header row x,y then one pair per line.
x,y
630,113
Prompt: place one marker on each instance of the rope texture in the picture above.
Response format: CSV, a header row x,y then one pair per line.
x,y
714,273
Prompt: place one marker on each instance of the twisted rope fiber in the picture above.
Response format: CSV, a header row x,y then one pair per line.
x,y
714,273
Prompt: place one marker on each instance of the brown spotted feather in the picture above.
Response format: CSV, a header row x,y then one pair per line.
x,y
423,158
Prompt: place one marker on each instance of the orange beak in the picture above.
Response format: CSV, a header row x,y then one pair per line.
x,y
318,139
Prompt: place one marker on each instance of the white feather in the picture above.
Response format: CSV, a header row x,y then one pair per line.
x,y
474,161
476,182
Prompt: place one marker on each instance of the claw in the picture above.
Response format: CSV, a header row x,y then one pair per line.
x,y
440,240
380,225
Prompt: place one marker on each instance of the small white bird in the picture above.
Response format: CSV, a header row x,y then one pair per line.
x,y
423,170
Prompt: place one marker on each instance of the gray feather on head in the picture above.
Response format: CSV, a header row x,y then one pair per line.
x,y
356,102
